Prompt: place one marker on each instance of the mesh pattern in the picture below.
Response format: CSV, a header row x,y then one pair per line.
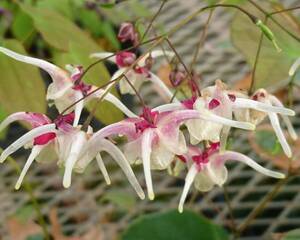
x,y
81,207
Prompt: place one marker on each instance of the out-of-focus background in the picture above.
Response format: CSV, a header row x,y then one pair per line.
x,y
64,31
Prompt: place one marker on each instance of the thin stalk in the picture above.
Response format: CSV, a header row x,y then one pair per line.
x,y
136,92
202,39
153,19
33,199
284,10
274,20
251,89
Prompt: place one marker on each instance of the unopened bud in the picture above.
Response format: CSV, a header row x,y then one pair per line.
x,y
176,77
268,33
127,33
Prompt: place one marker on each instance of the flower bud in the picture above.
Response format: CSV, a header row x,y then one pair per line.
x,y
176,77
127,33
268,33
125,59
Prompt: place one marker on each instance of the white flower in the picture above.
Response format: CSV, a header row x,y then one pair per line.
x,y
67,88
207,169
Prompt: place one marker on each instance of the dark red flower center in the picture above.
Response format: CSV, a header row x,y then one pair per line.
x,y
213,104
189,103
148,120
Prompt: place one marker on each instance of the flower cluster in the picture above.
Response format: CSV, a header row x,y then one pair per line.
x,y
190,133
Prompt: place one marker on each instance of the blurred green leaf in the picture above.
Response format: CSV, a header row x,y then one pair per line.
x,y
35,237
109,33
292,235
62,6
21,85
122,199
175,226
267,140
22,27
57,30
24,213
272,68
3,115
79,55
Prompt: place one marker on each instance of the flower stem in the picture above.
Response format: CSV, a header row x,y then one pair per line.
x,y
33,199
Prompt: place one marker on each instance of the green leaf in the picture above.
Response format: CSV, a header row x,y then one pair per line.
x,y
267,140
24,213
122,199
292,235
79,55
22,27
175,226
272,68
57,30
21,85
62,6
3,115
35,237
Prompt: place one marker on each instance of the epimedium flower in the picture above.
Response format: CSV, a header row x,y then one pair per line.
x,y
41,138
154,138
59,140
67,87
227,103
206,168
139,73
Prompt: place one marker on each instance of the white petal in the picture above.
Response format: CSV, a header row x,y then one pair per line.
x,y
76,148
278,131
188,182
118,156
34,153
161,158
155,54
217,172
12,118
223,137
102,55
287,121
114,100
294,67
169,107
147,139
208,116
248,103
38,131
230,155
132,151
78,107
60,78
203,181
103,169
161,88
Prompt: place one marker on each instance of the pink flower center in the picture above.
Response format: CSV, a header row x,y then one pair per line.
x,y
44,139
189,103
62,121
128,33
203,158
213,104
83,87
125,59
148,120
256,96
142,70
232,97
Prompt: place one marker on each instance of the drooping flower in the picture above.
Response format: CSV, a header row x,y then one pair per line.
x,y
67,88
60,141
207,168
139,73
155,138
40,138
